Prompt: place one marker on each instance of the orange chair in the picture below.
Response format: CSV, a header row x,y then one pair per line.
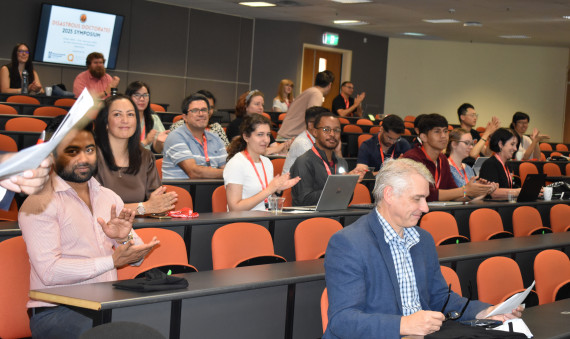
x,y
407,132
312,237
282,116
374,130
23,99
170,252
525,169
277,165
362,138
560,218
545,146
274,133
527,221
364,122
15,286
551,170
6,109
158,165
480,129
266,115
324,309
410,118
561,148
242,244
178,117
288,198
219,200
361,195
486,224
65,102
551,269
344,121
542,157
352,129
157,108
556,154
498,278
184,197
25,125
408,124
451,278
49,111
567,170
7,144
443,228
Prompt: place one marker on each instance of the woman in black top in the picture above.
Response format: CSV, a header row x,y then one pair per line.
x,y
504,145
11,74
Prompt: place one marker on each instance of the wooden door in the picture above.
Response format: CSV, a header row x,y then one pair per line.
x,y
311,59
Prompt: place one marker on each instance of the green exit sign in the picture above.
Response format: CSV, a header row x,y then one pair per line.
x,y
330,39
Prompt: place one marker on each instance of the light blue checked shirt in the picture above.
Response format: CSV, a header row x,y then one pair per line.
x,y
400,249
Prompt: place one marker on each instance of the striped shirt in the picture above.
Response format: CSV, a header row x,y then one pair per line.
x,y
400,249
181,145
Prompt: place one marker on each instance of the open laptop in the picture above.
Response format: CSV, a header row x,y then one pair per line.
x,y
530,190
478,163
336,194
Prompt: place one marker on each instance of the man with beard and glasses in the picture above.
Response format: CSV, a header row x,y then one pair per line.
x,y
388,144
315,165
76,232
95,78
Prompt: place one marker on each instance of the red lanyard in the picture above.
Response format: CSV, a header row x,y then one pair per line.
x,y
346,103
245,152
437,175
324,162
507,173
143,131
382,153
461,171
309,137
205,145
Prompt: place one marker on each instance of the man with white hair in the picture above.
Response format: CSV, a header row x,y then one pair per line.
x,y
382,273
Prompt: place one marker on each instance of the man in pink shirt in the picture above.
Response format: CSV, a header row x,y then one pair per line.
x,y
95,78
76,232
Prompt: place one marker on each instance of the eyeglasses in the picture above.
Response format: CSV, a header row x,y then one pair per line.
x,y
328,130
198,110
21,51
454,315
468,143
472,115
392,139
141,96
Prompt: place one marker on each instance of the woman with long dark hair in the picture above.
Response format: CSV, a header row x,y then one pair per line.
x,y
248,174
11,74
153,133
123,164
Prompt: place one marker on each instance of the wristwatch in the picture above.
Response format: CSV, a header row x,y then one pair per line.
x,y
129,238
140,209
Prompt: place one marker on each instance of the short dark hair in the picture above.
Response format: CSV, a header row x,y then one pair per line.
x,y
324,78
393,123
319,117
312,112
463,110
191,98
54,123
345,82
431,121
207,94
92,56
519,116
502,135
417,120
248,126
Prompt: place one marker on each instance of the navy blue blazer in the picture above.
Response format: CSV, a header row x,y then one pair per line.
x,y
364,295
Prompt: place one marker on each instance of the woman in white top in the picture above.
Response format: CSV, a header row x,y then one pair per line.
x,y
284,96
528,147
248,175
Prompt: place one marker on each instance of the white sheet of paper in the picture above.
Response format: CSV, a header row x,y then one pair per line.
x,y
518,326
32,157
510,304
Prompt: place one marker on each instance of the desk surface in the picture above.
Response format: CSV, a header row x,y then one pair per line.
x,y
550,320
102,296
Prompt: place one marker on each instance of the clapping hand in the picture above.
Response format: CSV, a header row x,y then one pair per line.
x,y
118,227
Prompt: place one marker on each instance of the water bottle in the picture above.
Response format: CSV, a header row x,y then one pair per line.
x,y
24,82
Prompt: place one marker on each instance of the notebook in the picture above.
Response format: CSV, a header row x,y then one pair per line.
x,y
336,194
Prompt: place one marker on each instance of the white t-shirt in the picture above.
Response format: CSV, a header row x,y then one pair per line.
x,y
239,171
525,144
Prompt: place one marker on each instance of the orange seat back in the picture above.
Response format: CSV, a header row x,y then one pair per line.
x,y
484,223
561,148
440,225
551,267
288,198
364,122
178,117
219,200
344,121
25,125
374,130
237,242
6,109
410,118
158,165
49,111
361,195
352,129
23,99
282,116
451,278
560,218
184,197
65,102
525,169
157,108
324,309
525,220
15,286
7,144
497,279
362,138
544,146
551,170
277,165
266,115
312,237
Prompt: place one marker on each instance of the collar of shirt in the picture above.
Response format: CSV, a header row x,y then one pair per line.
x,y
411,235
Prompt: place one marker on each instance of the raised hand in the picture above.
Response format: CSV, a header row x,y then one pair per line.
x,y
119,226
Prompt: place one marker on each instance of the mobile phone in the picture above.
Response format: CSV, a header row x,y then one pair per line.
x,y
159,216
487,323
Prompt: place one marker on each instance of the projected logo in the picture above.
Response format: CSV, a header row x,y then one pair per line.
x,y
83,18
70,57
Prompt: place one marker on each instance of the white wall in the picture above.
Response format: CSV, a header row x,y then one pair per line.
x,y
437,77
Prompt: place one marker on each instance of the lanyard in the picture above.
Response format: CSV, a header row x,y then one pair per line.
x,y
382,153
437,175
205,145
324,162
507,173
461,171
143,131
346,102
246,153
309,137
